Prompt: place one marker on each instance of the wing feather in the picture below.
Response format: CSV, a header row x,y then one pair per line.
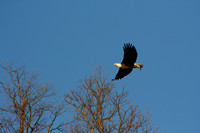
x,y
122,73
130,54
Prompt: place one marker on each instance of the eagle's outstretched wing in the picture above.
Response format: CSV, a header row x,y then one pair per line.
x,y
122,73
130,55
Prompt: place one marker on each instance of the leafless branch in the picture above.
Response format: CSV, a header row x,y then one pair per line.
x,y
27,101
101,108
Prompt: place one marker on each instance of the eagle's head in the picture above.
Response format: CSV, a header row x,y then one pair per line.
x,y
118,65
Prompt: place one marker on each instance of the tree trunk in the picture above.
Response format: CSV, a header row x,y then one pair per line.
x,y
21,126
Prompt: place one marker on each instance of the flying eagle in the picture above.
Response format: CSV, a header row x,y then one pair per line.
x,y
128,63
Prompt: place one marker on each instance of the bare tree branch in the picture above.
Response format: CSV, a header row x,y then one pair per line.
x,y
101,108
28,102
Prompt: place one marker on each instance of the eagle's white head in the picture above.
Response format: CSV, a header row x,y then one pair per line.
x,y
118,65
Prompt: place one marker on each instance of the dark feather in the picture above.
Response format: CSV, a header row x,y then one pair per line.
x,y
130,55
122,73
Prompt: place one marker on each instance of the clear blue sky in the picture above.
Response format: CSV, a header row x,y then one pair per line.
x,y
65,40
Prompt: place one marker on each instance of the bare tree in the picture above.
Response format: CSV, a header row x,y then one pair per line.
x,y
99,107
27,105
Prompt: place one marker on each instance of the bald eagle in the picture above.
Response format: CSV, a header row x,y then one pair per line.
x,y
128,63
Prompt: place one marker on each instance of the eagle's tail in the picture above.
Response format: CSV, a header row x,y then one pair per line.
x,y
138,66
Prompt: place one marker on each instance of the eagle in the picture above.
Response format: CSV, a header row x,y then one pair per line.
x,y
128,62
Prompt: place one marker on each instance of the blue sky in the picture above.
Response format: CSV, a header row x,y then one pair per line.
x,y
66,40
